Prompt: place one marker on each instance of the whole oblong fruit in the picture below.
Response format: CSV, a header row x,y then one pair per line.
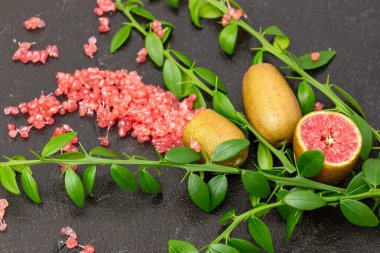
x,y
270,104
336,136
210,129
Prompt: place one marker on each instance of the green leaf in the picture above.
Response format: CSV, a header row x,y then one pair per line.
x,y
306,97
211,78
155,48
124,178
120,37
229,149
18,168
167,34
71,156
56,143
358,213
310,163
199,192
371,170
106,152
227,38
173,3
89,175
304,200
260,233
294,58
194,8
256,184
243,246
285,211
142,12
182,155
217,186
172,77
357,185
350,99
223,105
221,248
264,157
148,183
292,223
258,58
74,187
226,217
29,186
308,64
200,102
209,11
281,41
367,135
8,179
177,246
183,58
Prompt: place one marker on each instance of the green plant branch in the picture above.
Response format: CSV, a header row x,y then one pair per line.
x,y
329,200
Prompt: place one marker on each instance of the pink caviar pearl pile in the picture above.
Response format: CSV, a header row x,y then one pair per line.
x,y
157,28
72,242
142,56
90,48
117,98
231,13
315,56
3,205
104,6
34,23
104,25
25,55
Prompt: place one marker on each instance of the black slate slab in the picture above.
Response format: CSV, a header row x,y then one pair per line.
x,y
118,221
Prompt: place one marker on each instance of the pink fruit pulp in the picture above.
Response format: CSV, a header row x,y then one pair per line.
x,y
334,135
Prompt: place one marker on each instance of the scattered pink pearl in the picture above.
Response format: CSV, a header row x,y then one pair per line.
x,y
315,56
105,6
195,145
90,48
157,28
3,205
24,55
318,106
232,13
142,56
71,242
34,23
104,25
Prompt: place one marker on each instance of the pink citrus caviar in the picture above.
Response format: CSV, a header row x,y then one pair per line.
x,y
103,25
34,23
117,98
24,55
157,28
72,242
195,146
3,205
104,6
315,56
231,13
142,56
90,48
318,106
334,135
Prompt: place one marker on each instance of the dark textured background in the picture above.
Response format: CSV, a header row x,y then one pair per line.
x,y
118,221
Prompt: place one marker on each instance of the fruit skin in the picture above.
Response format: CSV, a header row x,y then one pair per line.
x,y
270,104
332,173
210,129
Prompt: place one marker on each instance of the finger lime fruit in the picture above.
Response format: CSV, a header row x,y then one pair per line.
x,y
270,104
210,129
336,136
